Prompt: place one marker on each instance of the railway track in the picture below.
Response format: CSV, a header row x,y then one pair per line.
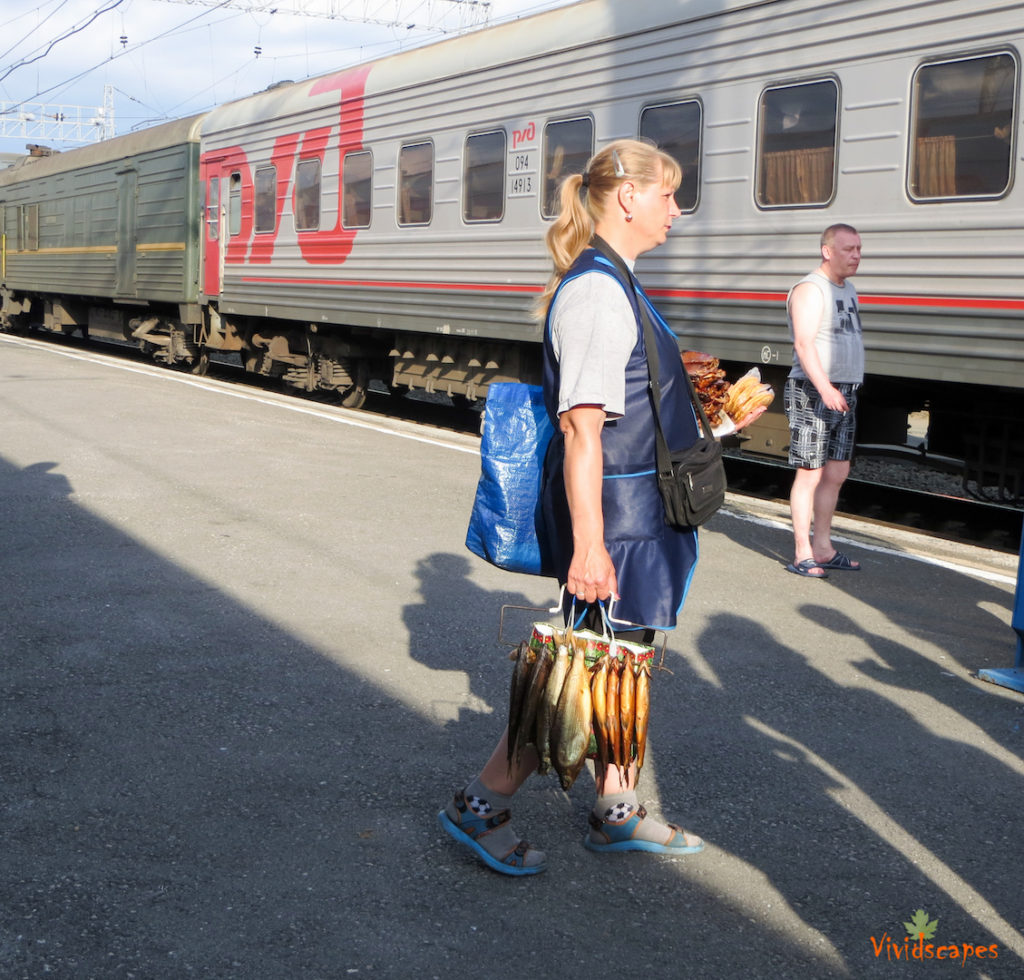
x,y
940,514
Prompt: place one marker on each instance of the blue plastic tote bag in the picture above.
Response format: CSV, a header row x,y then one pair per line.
x,y
506,526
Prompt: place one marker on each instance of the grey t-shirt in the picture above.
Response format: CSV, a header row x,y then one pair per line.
x,y
593,332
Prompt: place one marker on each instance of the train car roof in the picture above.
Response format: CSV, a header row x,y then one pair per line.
x,y
565,27
118,148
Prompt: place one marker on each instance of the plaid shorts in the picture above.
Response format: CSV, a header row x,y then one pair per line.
x,y
818,434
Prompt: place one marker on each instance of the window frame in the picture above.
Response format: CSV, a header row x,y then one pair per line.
x,y
502,170
259,202
234,204
298,195
669,103
400,185
913,120
759,144
30,227
365,152
544,180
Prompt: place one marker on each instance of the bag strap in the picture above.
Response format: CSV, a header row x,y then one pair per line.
x,y
664,457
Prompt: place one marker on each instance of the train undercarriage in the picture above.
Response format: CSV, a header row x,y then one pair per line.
x,y
330,361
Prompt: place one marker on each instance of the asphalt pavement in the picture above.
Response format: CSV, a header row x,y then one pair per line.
x,y
246,658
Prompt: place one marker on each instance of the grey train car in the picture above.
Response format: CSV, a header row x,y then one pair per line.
x,y
387,221
105,240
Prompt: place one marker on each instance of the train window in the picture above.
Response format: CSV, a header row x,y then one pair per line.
x,y
357,189
676,129
483,182
213,209
307,196
797,148
415,183
30,229
962,128
266,193
235,205
568,145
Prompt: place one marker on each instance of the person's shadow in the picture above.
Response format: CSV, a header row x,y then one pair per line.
x,y
458,628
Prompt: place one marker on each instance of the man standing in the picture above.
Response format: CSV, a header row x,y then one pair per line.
x,y
821,398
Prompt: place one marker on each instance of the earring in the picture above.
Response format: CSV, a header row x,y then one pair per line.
x,y
629,217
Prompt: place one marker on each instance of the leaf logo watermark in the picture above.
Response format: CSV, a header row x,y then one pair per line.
x,y
920,926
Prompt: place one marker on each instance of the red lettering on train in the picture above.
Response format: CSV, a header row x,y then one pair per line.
x,y
526,135
282,158
333,245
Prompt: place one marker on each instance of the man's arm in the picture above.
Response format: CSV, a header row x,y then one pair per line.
x,y
806,306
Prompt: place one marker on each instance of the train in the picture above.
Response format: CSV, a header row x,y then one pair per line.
x,y
385,222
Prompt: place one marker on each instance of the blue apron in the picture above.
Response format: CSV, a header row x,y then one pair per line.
x,y
653,561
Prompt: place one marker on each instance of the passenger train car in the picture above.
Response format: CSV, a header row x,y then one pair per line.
x,y
387,221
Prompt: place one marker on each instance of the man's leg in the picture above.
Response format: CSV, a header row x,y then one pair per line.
x,y
803,506
826,496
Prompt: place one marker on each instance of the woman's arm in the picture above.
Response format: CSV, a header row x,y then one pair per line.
x,y
591,573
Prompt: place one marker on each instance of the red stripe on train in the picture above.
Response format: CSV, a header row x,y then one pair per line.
x,y
461,287
962,302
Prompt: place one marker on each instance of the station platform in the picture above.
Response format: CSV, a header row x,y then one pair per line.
x,y
247,658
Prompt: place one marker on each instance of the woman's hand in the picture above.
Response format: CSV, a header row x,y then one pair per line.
x,y
752,417
592,575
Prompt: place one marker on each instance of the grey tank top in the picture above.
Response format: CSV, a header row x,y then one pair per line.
x,y
839,341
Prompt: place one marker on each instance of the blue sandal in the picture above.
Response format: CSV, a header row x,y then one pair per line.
x,y
607,836
809,568
469,826
842,562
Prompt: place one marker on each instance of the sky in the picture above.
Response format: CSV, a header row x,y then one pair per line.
x,y
167,59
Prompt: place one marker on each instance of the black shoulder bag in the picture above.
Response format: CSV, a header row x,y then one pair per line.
x,y
691,481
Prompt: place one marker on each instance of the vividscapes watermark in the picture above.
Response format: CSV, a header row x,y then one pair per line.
x,y
913,947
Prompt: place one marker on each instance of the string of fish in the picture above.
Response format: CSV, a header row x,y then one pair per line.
x,y
570,709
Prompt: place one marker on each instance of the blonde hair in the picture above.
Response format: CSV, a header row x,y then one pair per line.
x,y
584,200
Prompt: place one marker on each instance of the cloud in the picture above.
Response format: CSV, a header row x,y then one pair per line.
x,y
166,60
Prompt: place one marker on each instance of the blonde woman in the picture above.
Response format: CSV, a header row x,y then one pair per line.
x,y
603,513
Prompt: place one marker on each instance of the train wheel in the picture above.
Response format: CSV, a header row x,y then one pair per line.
x,y
201,364
354,397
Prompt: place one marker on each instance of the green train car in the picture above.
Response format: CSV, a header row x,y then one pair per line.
x,y
105,240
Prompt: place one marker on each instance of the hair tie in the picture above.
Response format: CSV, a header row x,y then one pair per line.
x,y
585,179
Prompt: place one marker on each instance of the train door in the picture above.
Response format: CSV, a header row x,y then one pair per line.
x,y
127,234
213,257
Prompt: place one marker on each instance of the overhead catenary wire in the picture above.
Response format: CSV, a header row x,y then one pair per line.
x,y
77,29
117,54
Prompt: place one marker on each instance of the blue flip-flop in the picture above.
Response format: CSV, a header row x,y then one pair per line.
x,y
620,837
804,568
840,561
